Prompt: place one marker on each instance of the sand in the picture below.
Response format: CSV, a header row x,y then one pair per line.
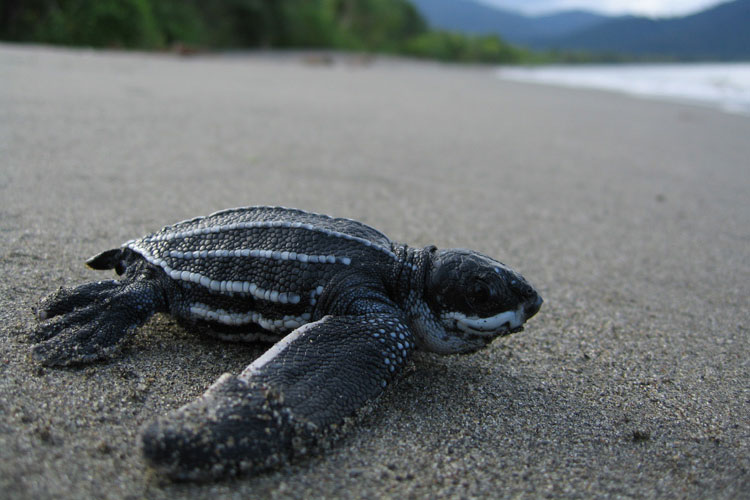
x,y
631,216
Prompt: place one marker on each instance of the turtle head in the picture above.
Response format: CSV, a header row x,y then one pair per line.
x,y
473,299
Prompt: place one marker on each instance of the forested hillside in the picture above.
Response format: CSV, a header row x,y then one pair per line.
x,y
392,26
218,23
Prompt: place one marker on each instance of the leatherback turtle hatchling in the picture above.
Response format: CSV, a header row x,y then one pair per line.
x,y
346,304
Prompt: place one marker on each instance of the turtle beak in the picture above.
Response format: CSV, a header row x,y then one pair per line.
x,y
532,307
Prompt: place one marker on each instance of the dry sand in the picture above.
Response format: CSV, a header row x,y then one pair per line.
x,y
631,216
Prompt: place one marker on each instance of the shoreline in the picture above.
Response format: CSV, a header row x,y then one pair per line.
x,y
722,86
572,76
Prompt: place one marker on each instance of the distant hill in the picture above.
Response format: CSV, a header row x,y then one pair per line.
x,y
472,17
721,32
566,22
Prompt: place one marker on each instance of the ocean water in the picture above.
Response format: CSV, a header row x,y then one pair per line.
x,y
725,86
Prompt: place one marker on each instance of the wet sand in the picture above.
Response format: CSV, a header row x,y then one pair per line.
x,y
631,217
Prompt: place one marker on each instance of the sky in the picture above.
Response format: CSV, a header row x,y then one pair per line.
x,y
651,8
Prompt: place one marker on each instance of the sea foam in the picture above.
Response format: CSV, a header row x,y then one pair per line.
x,y
726,86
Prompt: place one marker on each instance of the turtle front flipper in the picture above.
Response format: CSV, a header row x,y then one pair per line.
x,y
285,403
88,322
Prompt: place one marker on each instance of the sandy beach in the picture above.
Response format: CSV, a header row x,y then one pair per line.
x,y
630,216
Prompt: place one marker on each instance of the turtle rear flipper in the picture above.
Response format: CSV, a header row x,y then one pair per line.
x,y
89,322
285,403
111,259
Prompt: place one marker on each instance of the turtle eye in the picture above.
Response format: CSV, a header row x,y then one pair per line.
x,y
480,294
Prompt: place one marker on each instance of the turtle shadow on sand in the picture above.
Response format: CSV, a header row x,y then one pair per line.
x,y
491,408
467,407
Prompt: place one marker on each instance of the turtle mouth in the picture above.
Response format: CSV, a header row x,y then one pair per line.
x,y
485,338
504,330
499,325
512,330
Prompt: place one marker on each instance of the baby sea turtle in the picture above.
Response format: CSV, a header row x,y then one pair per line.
x,y
346,305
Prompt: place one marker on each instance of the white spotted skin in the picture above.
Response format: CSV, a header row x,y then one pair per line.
x,y
429,332
265,267
433,333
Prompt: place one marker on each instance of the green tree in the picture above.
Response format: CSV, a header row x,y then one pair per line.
x,y
113,23
393,26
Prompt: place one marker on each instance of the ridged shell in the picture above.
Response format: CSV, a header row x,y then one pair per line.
x,y
275,254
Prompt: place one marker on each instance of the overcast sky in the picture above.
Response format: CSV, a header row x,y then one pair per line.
x,y
654,8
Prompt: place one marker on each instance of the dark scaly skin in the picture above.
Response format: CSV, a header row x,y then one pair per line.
x,y
347,323
266,417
